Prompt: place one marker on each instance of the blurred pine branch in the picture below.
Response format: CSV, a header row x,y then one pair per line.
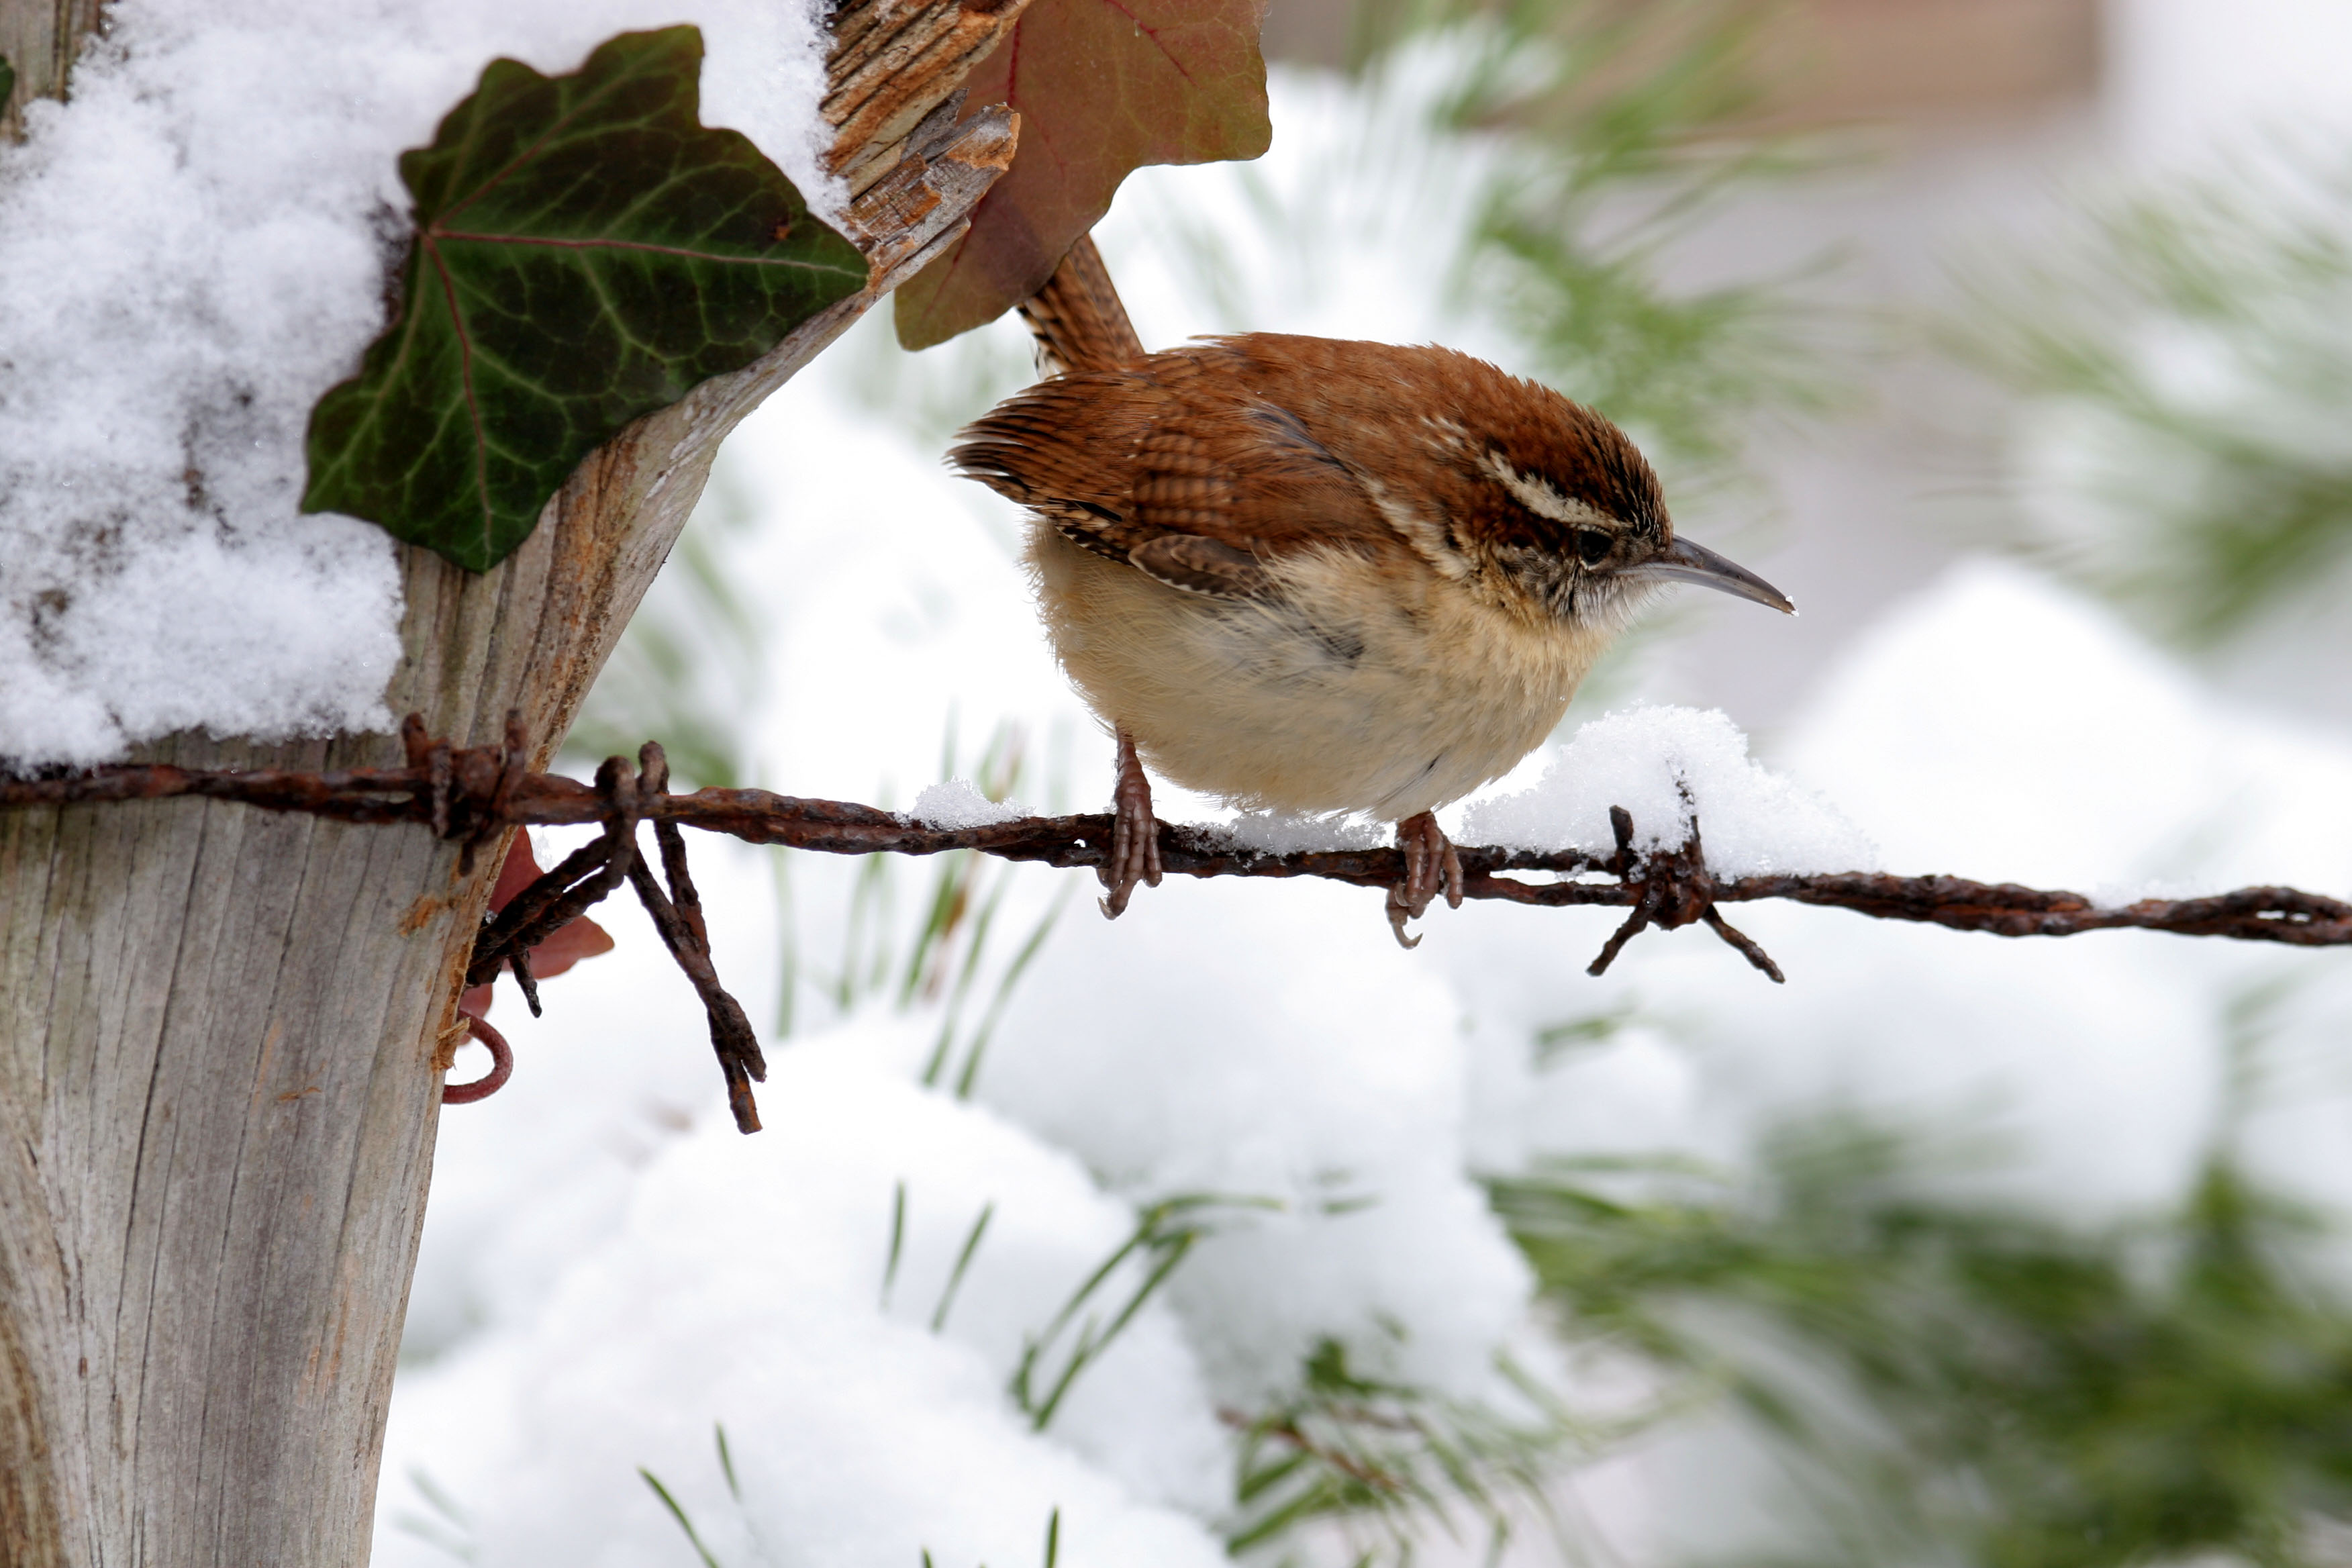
x,y
1383,1463
1961,1382
2190,360
1087,1325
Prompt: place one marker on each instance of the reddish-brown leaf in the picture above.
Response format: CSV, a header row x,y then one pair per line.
x,y
1103,87
564,946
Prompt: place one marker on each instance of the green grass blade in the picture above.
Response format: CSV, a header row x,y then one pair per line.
x,y
962,1262
679,1514
897,1241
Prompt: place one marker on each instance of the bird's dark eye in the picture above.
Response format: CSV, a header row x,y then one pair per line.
x,y
1592,545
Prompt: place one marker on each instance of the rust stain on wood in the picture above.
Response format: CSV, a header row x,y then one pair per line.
x,y
269,1042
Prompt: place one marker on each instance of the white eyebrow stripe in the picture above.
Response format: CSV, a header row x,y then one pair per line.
x,y
1540,495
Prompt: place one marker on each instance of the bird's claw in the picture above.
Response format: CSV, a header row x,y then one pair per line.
x,y
1432,866
1134,834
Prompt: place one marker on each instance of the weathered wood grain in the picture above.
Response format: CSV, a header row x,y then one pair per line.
x,y
217,1025
39,38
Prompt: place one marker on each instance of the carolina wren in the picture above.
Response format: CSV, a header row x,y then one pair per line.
x,y
1314,576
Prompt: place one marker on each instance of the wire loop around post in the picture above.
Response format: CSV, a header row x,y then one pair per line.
x,y
501,1063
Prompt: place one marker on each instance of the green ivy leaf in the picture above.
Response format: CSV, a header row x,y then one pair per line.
x,y
586,251
7,82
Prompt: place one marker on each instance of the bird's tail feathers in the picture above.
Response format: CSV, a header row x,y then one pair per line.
x,y
1079,321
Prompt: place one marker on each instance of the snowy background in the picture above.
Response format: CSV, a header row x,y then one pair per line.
x,y
610,1273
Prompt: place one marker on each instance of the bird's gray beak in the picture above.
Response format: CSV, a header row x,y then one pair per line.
x,y
1686,563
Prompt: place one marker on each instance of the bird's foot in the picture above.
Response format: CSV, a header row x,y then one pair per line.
x,y
1431,867
1134,833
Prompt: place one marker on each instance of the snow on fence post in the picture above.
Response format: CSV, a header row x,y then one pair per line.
x,y
219,1026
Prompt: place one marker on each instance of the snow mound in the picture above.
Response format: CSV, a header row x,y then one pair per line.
x,y
2001,727
957,803
754,1284
1263,1041
193,252
1666,765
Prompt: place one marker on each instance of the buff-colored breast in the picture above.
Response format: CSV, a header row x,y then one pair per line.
x,y
1378,687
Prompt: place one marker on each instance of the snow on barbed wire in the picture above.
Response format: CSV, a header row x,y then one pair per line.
x,y
1280,833
193,251
1663,765
959,803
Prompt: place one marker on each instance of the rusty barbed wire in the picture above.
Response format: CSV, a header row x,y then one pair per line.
x,y
471,793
